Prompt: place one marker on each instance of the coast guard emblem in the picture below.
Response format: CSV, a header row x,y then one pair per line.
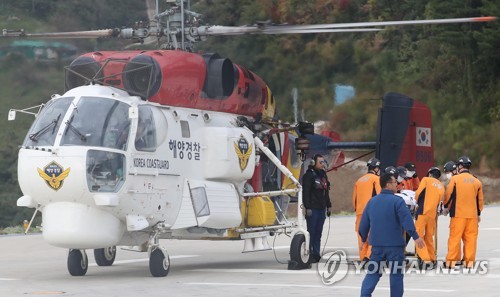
x,y
244,151
54,175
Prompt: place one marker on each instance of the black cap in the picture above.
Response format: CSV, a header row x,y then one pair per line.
x,y
392,170
410,166
373,163
402,171
449,166
465,161
434,171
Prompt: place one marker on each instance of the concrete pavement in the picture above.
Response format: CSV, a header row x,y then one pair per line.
x,y
30,267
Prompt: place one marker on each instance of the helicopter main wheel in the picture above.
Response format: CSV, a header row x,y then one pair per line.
x,y
159,263
299,252
78,262
105,256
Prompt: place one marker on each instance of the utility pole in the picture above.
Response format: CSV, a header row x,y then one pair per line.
x,y
295,98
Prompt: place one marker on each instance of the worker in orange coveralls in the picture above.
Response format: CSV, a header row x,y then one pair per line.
x,y
428,195
411,181
464,199
365,188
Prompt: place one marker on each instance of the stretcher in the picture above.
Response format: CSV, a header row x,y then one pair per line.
x,y
409,197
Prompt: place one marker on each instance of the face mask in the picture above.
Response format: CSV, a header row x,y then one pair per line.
x,y
448,175
400,179
410,173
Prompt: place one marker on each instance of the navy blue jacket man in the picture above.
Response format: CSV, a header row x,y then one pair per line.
x,y
384,220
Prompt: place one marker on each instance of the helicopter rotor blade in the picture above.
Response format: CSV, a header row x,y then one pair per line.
x,y
227,31
387,23
327,28
55,35
124,33
296,31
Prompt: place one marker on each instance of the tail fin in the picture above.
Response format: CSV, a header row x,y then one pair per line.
x,y
404,133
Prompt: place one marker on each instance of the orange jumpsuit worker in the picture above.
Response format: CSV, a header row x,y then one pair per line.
x,y
464,199
365,188
428,195
411,181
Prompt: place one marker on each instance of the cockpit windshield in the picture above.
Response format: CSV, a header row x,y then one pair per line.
x,y
43,132
98,122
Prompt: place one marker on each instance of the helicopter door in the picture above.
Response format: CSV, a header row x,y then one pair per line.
x,y
151,129
271,176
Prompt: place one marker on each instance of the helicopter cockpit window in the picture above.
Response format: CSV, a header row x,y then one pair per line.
x,y
98,122
44,129
145,138
105,171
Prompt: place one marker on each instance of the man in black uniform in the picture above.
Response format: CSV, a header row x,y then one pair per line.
x,y
316,203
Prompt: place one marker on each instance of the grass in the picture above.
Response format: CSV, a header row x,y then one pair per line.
x,y
17,230
12,230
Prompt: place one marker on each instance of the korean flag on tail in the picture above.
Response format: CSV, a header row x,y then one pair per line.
x,y
423,136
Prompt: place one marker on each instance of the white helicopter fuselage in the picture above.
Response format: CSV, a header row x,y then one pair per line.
x,y
105,167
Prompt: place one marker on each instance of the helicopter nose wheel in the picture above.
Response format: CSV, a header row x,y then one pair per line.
x,y
78,262
159,262
105,256
299,253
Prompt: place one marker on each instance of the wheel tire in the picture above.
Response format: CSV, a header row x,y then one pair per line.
x,y
159,265
105,256
77,262
298,251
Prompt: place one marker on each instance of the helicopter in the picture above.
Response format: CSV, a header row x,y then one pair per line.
x,y
170,144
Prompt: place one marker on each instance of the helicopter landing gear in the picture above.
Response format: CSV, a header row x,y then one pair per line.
x,y
299,253
159,260
105,256
78,262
